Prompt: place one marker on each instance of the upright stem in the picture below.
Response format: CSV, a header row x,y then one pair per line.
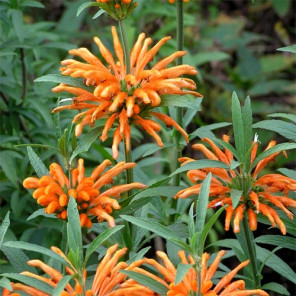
x,y
127,153
180,42
125,45
252,251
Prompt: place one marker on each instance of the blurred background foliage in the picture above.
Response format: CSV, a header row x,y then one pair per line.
x,y
232,43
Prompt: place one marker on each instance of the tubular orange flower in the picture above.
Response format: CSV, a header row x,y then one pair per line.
x,y
261,193
173,1
53,192
106,278
189,283
125,98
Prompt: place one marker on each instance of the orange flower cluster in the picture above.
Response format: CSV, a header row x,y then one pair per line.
x,y
53,192
117,9
125,98
262,192
106,278
189,283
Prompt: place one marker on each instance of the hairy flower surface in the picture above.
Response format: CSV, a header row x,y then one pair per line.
x,y
189,284
125,99
106,278
261,193
53,191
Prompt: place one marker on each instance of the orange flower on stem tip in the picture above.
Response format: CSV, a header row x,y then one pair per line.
x,y
260,194
125,99
106,279
189,284
53,192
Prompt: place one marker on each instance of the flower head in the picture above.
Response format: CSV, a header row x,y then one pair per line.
x,y
53,191
260,194
173,1
106,278
125,98
117,9
189,284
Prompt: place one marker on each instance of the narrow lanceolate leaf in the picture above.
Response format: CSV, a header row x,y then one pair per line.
x,y
277,240
73,227
84,6
98,14
34,248
280,289
182,270
227,146
58,78
187,101
286,129
289,173
100,240
235,197
5,283
288,116
291,48
276,263
32,282
276,148
37,163
200,164
157,228
86,141
3,228
238,126
147,281
18,24
206,230
61,285
202,203
247,122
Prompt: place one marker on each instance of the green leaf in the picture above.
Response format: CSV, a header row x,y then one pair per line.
x,y
92,247
276,264
8,166
207,228
187,101
286,129
157,228
86,141
281,7
289,173
291,48
30,281
235,197
182,270
5,283
58,78
238,126
32,3
277,148
40,212
276,288
4,226
146,281
277,240
202,203
98,14
18,24
227,146
37,163
39,146
205,131
247,123
84,6
73,227
34,248
291,117
200,164
61,285
168,191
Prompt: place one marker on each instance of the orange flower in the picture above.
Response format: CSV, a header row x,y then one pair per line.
x,y
106,278
53,192
189,283
125,98
261,194
173,1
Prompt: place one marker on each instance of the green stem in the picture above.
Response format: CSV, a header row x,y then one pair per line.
x,y
252,252
127,154
125,45
180,42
